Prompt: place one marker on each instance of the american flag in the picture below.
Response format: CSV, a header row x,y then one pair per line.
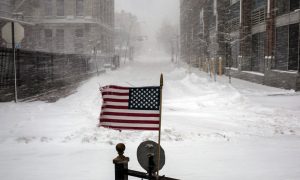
x,y
127,108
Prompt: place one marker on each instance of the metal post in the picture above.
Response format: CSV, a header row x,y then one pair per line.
x,y
14,58
121,163
220,66
214,66
229,74
159,133
177,48
151,166
299,47
208,68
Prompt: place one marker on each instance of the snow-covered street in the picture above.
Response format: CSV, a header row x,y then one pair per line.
x,y
210,130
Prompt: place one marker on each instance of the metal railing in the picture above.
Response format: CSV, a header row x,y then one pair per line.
x,y
122,172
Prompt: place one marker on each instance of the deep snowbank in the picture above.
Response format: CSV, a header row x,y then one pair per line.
x,y
215,129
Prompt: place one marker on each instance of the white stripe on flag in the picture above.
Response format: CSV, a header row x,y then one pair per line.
x,y
115,97
130,118
116,90
116,103
130,111
129,125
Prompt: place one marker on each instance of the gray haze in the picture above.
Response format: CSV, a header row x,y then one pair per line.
x,y
151,12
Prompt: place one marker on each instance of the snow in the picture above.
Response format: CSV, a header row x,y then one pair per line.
x,y
256,73
210,130
289,72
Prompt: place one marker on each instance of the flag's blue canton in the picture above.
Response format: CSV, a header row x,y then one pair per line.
x,y
146,98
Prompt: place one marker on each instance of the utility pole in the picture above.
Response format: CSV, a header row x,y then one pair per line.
x,y
190,38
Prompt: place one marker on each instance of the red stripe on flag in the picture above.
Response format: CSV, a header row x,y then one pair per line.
x,y
131,128
115,100
114,107
130,114
118,87
129,121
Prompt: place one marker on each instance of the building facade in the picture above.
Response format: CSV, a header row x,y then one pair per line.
x,y
5,11
66,26
257,39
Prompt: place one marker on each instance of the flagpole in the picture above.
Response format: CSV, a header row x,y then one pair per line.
x,y
160,110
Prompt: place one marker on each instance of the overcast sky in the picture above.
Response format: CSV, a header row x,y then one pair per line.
x,y
151,12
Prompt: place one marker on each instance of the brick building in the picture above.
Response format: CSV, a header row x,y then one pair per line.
x,y
258,39
64,26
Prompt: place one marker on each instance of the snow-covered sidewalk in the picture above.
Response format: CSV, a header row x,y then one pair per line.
x,y
210,130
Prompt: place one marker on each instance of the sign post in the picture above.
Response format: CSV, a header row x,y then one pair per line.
x,y
159,133
13,33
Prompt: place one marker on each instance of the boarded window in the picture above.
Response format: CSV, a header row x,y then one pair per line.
x,y
60,6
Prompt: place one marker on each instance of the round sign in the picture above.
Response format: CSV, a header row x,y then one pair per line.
x,y
7,32
147,154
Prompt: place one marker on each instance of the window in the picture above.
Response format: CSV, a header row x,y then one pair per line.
x,y
201,30
60,33
79,48
294,4
233,1
48,4
258,57
258,3
234,11
293,46
282,6
60,6
287,47
79,33
235,51
79,7
48,39
215,7
282,48
48,33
